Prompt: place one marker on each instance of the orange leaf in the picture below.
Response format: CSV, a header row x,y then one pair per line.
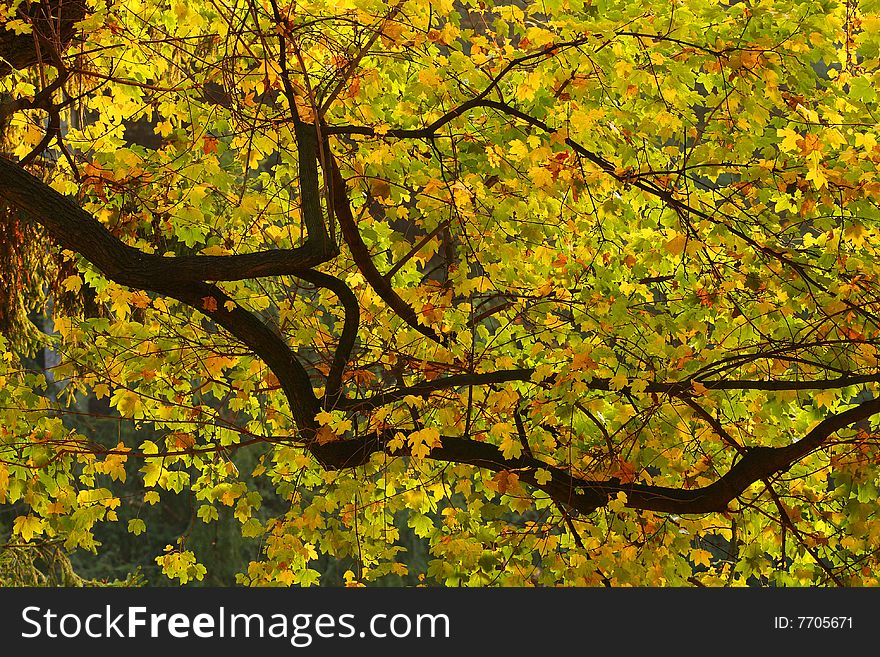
x,y
183,440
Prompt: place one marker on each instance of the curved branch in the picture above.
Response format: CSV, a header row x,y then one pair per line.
x,y
586,496
77,230
271,348
351,307
757,463
361,254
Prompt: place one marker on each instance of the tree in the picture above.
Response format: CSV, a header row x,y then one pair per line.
x,y
583,292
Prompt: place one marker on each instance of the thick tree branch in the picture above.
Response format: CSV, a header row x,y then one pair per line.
x,y
187,279
75,229
78,231
270,347
309,188
585,496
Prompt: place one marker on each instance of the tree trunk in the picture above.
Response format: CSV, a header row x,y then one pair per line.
x,y
52,30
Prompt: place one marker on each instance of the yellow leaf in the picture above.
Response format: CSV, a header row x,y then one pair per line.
x,y
825,398
501,429
72,283
422,441
618,504
833,138
541,176
511,447
701,557
55,508
119,302
18,26
618,381
218,250
136,526
397,442
542,476
543,371
790,139
27,526
152,472
324,418
817,177
519,149
127,402
429,77
676,245
866,141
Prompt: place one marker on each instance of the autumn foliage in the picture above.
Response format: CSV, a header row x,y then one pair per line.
x,y
577,292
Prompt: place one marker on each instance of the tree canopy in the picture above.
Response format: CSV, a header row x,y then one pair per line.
x,y
580,292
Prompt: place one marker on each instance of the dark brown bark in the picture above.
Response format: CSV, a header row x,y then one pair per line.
x,y
351,322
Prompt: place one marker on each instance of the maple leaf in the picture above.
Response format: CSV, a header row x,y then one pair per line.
x,y
421,442
618,381
790,139
543,476
27,526
209,145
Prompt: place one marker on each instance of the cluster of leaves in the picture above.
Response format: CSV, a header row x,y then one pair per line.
x,y
599,306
